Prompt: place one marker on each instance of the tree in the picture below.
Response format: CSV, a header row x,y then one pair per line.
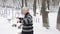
x,y
26,3
4,2
22,3
58,20
56,2
39,3
34,7
44,14
48,3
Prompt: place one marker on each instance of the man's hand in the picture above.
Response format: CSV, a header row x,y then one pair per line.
x,y
17,17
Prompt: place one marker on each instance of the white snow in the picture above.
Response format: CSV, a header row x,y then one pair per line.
x,y
6,28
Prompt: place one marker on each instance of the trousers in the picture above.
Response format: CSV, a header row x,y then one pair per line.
x,y
27,32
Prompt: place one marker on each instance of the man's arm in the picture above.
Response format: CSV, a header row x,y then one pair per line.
x,y
27,20
20,19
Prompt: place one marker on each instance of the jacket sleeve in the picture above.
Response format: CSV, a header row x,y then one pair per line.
x,y
27,20
20,20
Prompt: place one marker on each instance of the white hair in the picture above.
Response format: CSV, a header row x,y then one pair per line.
x,y
25,8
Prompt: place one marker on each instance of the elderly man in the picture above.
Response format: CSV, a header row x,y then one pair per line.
x,y
26,21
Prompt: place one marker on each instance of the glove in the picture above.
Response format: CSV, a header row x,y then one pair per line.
x,y
19,27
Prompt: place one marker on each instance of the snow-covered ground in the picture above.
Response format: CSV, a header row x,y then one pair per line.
x,y
6,28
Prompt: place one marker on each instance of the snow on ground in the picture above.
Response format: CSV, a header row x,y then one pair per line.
x,y
6,28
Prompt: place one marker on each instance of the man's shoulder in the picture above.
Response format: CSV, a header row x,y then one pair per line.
x,y
29,14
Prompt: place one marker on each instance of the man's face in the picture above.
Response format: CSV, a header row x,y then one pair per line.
x,y
24,11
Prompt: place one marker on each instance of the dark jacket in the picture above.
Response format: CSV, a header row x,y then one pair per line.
x,y
27,23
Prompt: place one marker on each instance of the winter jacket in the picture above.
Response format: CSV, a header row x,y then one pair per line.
x,y
27,23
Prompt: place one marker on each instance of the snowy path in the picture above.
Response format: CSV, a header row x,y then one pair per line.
x,y
6,28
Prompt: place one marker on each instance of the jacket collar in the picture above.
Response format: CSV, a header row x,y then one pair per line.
x,y
27,13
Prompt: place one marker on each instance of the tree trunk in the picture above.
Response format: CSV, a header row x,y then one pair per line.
x,y
4,2
39,3
58,20
48,3
26,3
22,3
34,7
44,14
